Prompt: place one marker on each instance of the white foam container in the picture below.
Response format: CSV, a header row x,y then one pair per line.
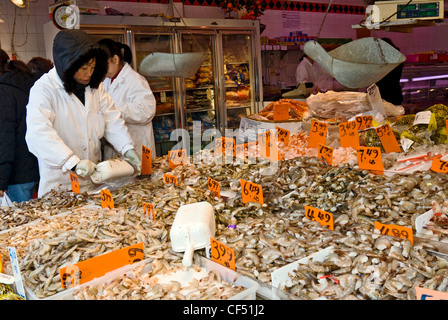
x,y
226,274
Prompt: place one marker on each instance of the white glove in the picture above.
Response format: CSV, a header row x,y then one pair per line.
x,y
133,159
85,168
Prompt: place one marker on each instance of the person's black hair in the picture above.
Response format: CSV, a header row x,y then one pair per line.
x,y
70,84
38,66
113,48
7,64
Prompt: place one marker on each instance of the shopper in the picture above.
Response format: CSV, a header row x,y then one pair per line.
x,y
315,77
39,66
389,86
69,112
19,172
131,94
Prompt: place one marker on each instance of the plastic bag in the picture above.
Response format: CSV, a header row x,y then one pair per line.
x,y
162,64
5,201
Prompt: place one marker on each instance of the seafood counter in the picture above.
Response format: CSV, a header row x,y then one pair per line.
x,y
65,228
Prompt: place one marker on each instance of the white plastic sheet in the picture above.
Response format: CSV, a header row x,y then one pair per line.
x,y
163,64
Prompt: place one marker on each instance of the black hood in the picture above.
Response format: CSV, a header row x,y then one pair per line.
x,y
18,79
72,48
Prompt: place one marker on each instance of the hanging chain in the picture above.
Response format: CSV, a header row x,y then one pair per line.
x,y
323,21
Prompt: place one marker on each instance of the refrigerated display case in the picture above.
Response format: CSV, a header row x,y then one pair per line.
x,y
225,88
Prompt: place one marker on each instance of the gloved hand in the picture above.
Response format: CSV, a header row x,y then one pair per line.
x,y
85,168
133,159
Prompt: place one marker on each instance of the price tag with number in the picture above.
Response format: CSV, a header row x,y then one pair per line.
x,y
242,150
225,145
387,138
283,135
364,122
326,153
215,187
323,217
281,112
177,157
106,199
74,180
395,231
318,133
96,267
146,160
222,254
150,210
348,134
369,158
267,142
428,294
251,192
439,165
169,178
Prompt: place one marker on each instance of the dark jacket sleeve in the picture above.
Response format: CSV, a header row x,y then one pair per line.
x,y
7,136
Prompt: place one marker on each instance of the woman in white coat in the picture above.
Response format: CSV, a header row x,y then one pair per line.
x,y
131,94
69,112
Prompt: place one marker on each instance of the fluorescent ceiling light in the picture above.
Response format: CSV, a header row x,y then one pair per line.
x,y
430,78
404,80
19,3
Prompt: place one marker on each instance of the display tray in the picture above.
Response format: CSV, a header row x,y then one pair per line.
x,y
249,293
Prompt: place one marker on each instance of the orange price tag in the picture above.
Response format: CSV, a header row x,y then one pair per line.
x,y
369,158
439,165
323,217
318,133
348,134
387,137
251,192
326,153
146,160
222,254
75,182
364,122
267,142
281,112
215,187
107,201
169,178
395,231
242,150
225,145
177,157
283,135
150,210
96,267
428,294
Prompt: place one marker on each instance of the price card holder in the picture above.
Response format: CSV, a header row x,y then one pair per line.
x,y
395,231
222,254
318,133
374,97
107,201
364,122
325,153
283,135
439,165
148,208
281,112
323,217
225,145
74,180
16,272
387,138
96,267
428,294
169,178
348,134
177,157
369,158
146,160
215,187
251,192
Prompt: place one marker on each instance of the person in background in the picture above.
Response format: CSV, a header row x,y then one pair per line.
x,y
69,112
389,86
19,172
131,94
39,66
315,77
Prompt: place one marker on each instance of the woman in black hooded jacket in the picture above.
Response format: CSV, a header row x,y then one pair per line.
x,y
19,172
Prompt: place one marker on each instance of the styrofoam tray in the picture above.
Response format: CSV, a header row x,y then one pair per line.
x,y
226,274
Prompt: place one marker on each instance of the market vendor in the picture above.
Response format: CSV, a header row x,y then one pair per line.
x,y
69,112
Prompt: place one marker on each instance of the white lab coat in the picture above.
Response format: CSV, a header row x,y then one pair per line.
x,y
134,98
61,131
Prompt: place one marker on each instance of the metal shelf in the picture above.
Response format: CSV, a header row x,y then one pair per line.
x,y
405,26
